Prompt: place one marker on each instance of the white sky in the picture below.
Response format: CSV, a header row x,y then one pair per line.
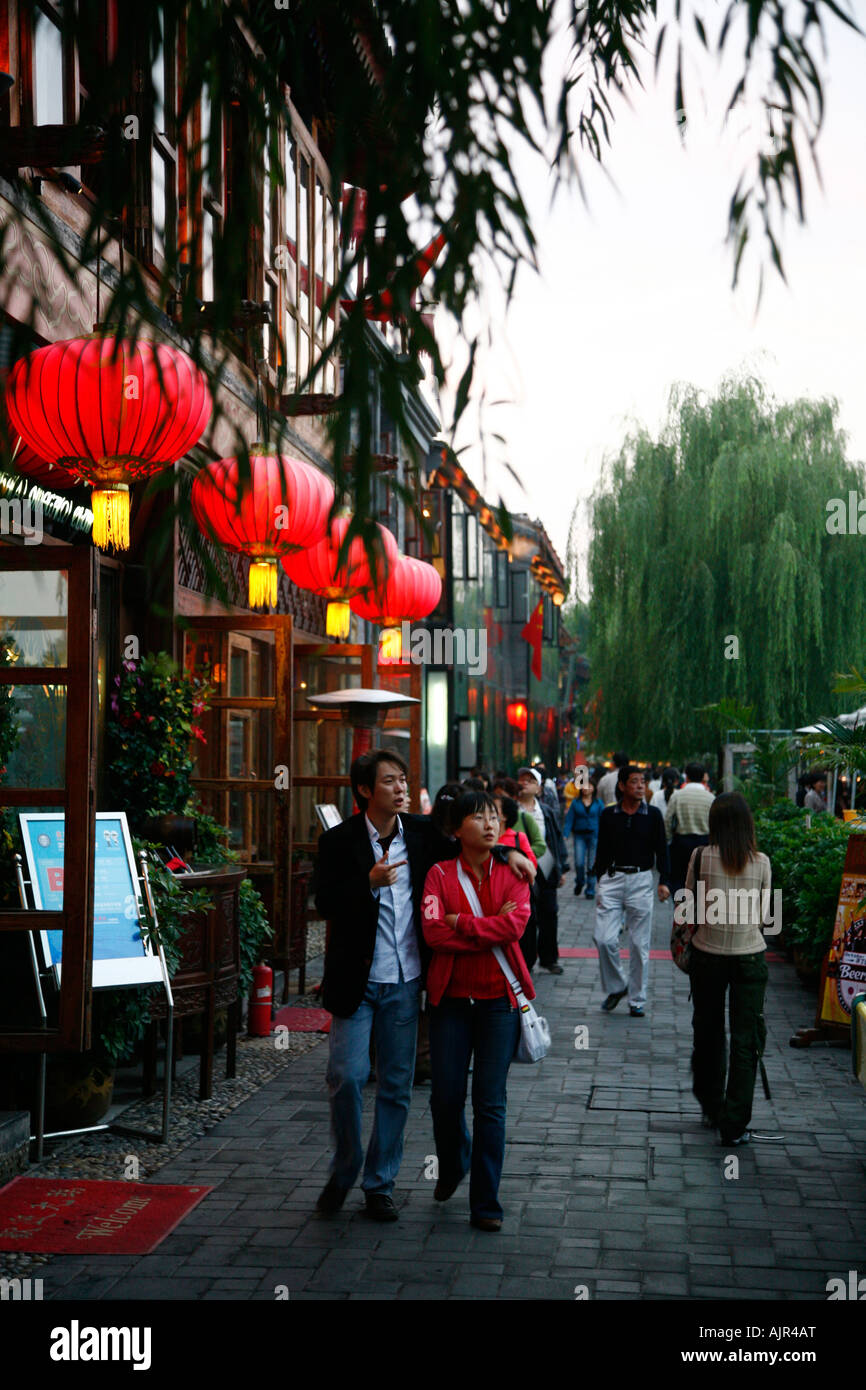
x,y
635,292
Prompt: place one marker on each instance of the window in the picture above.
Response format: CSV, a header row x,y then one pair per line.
x,y
163,153
49,67
458,534
519,596
547,619
471,547
312,242
212,204
501,560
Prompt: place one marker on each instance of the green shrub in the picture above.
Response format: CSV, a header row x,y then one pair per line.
x,y
807,866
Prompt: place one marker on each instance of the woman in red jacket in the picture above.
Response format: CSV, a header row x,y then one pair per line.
x,y
473,1009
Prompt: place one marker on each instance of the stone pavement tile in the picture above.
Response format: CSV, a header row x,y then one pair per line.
x,y
618,1287
174,1287
422,1293
476,1286
655,1285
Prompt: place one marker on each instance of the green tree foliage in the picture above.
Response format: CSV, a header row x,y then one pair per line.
x,y
716,531
423,105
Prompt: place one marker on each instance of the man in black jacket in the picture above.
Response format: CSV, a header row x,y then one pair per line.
x,y
369,882
551,868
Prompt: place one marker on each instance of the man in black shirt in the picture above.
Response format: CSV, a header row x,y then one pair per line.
x,y
631,837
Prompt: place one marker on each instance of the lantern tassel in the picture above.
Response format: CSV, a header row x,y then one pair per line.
x,y
263,583
338,619
390,645
111,517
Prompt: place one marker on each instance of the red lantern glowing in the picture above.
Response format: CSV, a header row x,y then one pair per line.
x,y
319,569
411,591
517,715
281,506
25,461
111,411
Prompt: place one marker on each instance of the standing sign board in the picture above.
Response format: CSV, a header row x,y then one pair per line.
x,y
121,955
844,973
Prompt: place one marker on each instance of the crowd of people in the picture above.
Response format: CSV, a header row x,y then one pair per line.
x,y
461,905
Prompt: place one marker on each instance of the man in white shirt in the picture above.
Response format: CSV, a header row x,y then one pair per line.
x,y
687,822
607,783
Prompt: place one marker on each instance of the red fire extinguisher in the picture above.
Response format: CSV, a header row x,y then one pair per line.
x,y
261,1000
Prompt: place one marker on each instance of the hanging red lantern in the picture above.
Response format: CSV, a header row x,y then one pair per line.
x,y
320,570
517,715
279,507
22,458
111,411
411,591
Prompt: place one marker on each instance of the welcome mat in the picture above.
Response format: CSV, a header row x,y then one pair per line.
x,y
300,1020
80,1216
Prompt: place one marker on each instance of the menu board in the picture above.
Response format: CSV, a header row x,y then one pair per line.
x,y
120,954
844,972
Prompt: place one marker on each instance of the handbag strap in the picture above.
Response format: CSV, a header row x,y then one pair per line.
x,y
473,900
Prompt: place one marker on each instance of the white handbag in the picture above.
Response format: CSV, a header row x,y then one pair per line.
x,y
533,1042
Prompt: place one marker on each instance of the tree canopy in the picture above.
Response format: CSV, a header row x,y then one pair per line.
x,y
714,574
422,106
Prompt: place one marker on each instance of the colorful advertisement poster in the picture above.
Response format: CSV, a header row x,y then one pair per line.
x,y
844,975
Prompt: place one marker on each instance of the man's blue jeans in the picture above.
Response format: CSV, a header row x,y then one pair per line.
x,y
584,857
459,1029
390,1013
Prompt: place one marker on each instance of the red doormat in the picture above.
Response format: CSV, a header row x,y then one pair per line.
x,y
79,1216
300,1020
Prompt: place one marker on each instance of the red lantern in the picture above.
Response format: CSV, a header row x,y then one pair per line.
x,y
113,412
517,715
319,570
23,459
411,591
280,507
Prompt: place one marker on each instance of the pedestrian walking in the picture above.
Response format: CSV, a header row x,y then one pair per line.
x,y
631,838
370,873
551,869
514,835
670,780
473,1010
687,821
608,782
816,797
581,822
728,957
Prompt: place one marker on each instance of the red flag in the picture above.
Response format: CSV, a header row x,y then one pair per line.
x,y
532,633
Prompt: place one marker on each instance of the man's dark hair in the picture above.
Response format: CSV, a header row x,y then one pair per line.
x,y
620,760
508,785
817,776
475,784
469,803
365,770
628,770
695,772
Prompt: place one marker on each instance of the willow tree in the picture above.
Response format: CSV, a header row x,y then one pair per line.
x,y
714,574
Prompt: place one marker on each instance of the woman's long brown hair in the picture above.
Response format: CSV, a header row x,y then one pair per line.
x,y
733,830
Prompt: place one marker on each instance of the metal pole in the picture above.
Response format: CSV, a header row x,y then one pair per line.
x,y
169,999
43,1017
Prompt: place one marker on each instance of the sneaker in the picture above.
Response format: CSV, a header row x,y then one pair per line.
x,y
744,1138
331,1198
612,1000
380,1207
636,1011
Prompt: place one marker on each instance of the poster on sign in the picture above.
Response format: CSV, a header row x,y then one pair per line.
x,y
844,973
121,956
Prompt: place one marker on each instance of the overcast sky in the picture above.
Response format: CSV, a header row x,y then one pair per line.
x,y
635,291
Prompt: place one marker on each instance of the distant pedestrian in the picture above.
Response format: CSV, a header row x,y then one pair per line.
x,y
728,954
551,868
608,783
473,1008
518,831
631,838
687,821
816,796
548,794
581,822
670,780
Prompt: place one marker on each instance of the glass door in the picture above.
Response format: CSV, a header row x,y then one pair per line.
x,y
48,699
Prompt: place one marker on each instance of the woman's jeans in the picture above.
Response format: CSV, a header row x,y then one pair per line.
x,y
488,1030
729,1106
584,857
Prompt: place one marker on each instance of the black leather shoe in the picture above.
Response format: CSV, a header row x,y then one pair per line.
x,y
443,1190
331,1198
612,1000
380,1207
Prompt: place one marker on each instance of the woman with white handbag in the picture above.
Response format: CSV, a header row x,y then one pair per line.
x,y
474,911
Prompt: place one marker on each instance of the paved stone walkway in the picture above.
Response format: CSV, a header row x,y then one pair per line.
x,y
612,1189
